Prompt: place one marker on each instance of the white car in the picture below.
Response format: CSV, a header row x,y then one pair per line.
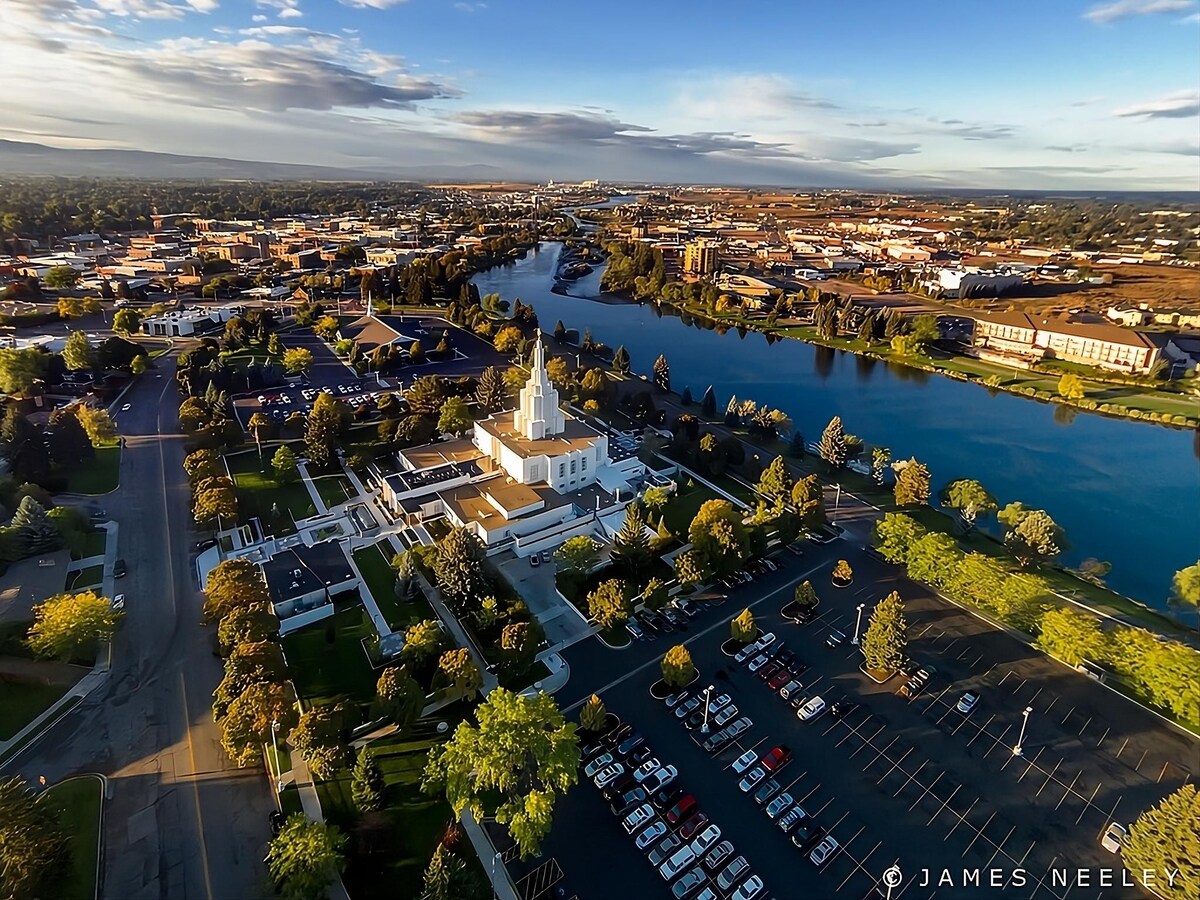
x,y
747,652
689,706
967,702
811,709
778,805
745,761
725,715
650,834
766,640
753,777
608,775
646,769
126,407
683,858
118,602
597,764
690,882
640,817
732,873
752,887
759,661
719,703
705,839
664,777
1114,837
824,851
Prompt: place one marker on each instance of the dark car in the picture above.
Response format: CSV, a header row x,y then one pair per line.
x,y
785,658
120,570
682,810
667,797
807,832
622,785
769,671
842,708
617,735
630,744
835,639
628,801
640,755
276,818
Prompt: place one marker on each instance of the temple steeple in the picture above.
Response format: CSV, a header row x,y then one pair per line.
x,y
538,415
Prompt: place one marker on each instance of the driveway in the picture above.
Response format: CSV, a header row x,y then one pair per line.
x,y
562,624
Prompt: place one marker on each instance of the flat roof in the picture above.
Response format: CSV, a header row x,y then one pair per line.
x,y
576,435
427,455
301,570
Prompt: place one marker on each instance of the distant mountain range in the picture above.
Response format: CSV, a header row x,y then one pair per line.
x,y
20,158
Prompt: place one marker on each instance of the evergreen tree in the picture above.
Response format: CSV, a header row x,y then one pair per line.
x,y
686,397
36,529
491,393
708,403
620,361
912,484
742,627
67,442
677,666
776,481
560,332
321,431
593,714
662,372
832,446
631,545
367,785
886,636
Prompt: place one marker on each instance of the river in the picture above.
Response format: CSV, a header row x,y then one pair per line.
x,y
1126,492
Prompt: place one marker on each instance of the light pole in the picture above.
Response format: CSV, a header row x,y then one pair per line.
x,y
1018,749
707,693
858,624
495,890
275,747
837,499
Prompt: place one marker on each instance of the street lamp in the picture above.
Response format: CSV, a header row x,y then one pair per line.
x,y
275,747
858,624
495,890
1018,749
707,693
837,499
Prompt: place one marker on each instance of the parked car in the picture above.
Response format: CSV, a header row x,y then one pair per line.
x,y
608,775
1114,837
534,561
811,709
770,670
118,602
630,744
650,834
824,851
681,810
745,761
695,823
725,715
639,756
791,819
617,735
664,850
776,757
666,797
661,779
675,699
779,679
733,873
622,785
680,860
636,820
759,661
706,839
750,889
806,833
751,778
967,702
766,791
627,801
835,639
687,707
688,883
842,708
789,690
779,805
717,855
604,759
646,769
120,569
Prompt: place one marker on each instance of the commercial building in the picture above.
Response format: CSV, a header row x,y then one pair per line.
x,y
1027,338
700,257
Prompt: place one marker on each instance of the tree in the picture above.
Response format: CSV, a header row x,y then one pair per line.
x,y
398,695
233,584
620,361
1071,636
21,369
842,572
925,330
305,858
970,498
37,532
457,668
805,595
247,725
677,667
631,544
522,750
832,446
59,277
259,423
1070,387
912,484
1035,538
455,417
423,640
886,635
138,365
690,568
593,714
68,623
34,849
77,353
895,534
809,500
202,464
578,554
776,481
742,627
447,878
66,441
285,465
508,339
519,641
298,361
247,624
609,605
1185,586
662,372
458,566
366,784
654,594
491,392
1166,838
99,425
249,663
322,429
881,459
215,499
320,736
718,535
708,403
127,321
69,307
933,559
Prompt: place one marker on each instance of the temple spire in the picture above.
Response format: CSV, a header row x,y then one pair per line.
x,y
538,415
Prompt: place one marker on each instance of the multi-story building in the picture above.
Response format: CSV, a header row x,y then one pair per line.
x,y
700,257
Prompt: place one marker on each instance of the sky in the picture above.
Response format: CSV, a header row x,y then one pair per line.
x,y
1053,94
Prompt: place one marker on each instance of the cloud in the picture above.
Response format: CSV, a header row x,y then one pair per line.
x,y
746,97
972,131
1106,13
546,126
372,4
1179,105
285,9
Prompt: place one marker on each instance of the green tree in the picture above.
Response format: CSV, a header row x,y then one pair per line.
x,y
491,393
522,750
447,878
458,670
298,361
620,361
247,725
593,714
718,535
60,277
202,464
1022,599
925,330
258,425
215,499
578,554
99,425
127,321
285,465
37,531
677,667
976,579
77,353
34,849
21,369
249,663
366,783
320,736
809,500
933,559
742,627
970,498
655,499
1071,636
67,624
1166,838
842,572
233,584
690,568
322,430
895,535
662,372
886,635
66,441
138,365
832,446
423,640
326,328
1185,586
398,695
1035,539
912,484
776,481
1070,386
455,416
305,858
631,544
881,461
247,624
654,594
609,605
69,307
805,595
458,566
508,339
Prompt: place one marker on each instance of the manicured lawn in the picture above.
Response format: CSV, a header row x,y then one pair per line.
x,y
88,577
324,670
23,701
261,496
78,801
334,489
93,545
99,476
683,507
375,565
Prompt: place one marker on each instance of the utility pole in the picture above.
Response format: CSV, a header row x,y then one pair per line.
x,y
858,624
1018,750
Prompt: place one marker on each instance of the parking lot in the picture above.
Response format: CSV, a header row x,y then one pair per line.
x,y
908,783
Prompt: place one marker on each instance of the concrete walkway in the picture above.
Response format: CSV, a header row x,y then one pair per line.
x,y
311,804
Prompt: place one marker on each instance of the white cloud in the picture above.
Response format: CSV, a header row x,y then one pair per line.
x,y
372,4
290,12
1105,13
258,18
1179,105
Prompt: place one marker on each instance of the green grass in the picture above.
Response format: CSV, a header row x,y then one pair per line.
x,y
323,671
259,493
241,360
78,801
23,701
99,476
83,578
334,489
683,507
93,545
375,565
12,638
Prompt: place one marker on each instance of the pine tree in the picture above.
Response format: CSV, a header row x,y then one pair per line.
x,y
686,397
832,446
593,714
631,546
366,786
560,331
35,528
776,481
866,328
708,404
662,372
620,361
886,636
912,484
743,627
490,393
894,324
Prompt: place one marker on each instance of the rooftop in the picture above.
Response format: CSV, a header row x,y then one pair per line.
x,y
576,435
301,570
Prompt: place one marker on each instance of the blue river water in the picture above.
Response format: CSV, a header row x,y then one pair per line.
x,y
1125,492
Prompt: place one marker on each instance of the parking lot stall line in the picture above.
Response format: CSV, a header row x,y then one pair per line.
x,y
957,788
1000,847
927,789
1053,700
979,834
895,764
1100,742
959,818
1090,803
912,776
1070,790
1067,716
981,730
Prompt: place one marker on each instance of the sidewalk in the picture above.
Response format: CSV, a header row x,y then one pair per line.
x,y
311,804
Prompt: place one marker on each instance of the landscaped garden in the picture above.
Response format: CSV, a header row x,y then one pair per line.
x,y
327,659
93,545
78,802
100,475
375,565
260,493
22,701
89,577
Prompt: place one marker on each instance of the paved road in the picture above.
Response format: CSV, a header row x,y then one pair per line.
x,y
182,823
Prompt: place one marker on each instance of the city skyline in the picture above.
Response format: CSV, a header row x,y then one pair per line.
x,y
1083,96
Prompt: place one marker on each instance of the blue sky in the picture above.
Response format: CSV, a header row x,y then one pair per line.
x,y
1053,94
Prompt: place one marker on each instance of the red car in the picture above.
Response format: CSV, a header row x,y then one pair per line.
x,y
776,758
779,679
681,810
693,826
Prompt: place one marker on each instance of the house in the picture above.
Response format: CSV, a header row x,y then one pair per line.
x,y
1030,338
301,579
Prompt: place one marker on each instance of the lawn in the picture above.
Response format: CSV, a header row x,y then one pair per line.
x,y
93,545
23,701
375,564
99,476
324,670
89,577
682,508
334,489
262,496
78,801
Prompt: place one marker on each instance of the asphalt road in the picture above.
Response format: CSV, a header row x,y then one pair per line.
x,y
181,821
914,784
